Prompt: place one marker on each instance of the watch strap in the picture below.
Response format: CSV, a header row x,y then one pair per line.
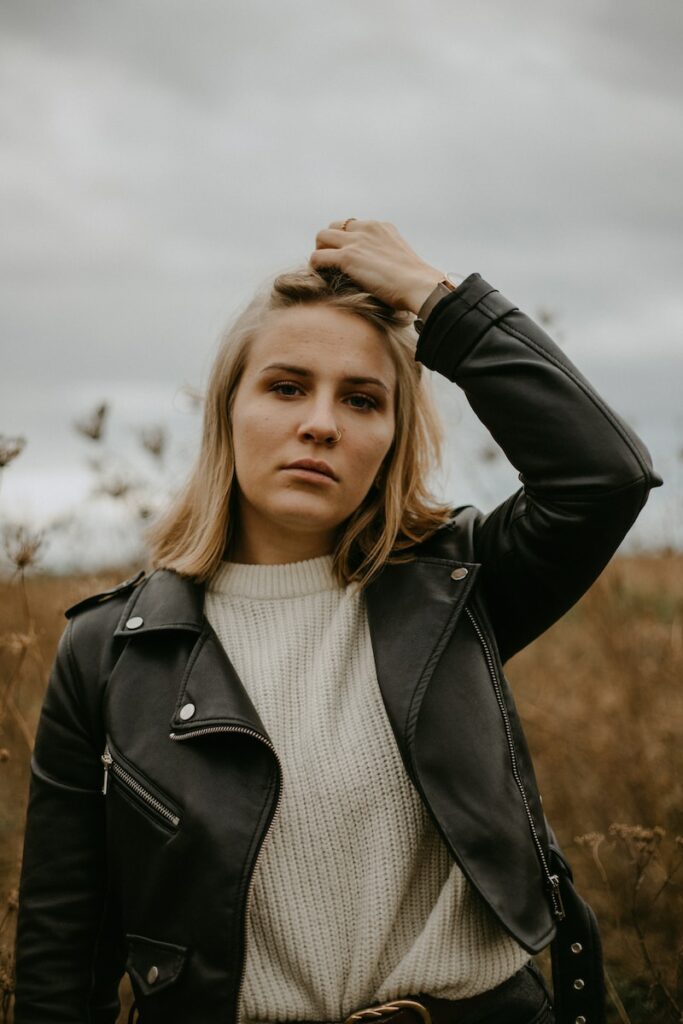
x,y
443,288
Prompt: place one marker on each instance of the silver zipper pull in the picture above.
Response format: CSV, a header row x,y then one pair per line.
x,y
558,908
107,762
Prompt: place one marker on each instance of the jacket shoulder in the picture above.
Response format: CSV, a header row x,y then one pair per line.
x,y
92,600
455,538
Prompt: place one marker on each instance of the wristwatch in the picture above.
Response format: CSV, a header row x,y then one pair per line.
x,y
447,285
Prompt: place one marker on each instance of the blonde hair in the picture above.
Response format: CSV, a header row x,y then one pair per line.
x,y
197,529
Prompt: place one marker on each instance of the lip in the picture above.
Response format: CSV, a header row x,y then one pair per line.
x,y
309,474
314,467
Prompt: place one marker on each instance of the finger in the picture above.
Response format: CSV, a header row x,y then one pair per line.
x,y
349,222
327,258
329,238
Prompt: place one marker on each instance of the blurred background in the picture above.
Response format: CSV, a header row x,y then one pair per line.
x,y
161,161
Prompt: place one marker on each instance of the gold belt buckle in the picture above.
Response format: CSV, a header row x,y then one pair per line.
x,y
372,1012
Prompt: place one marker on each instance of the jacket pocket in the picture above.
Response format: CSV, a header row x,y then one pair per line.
x,y
153,965
154,804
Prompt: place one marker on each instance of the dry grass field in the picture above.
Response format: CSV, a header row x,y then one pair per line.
x,y
600,695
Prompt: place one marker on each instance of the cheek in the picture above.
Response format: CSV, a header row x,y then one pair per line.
x,y
372,445
253,429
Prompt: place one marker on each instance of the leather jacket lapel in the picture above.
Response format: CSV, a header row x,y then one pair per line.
x,y
212,686
426,599
168,602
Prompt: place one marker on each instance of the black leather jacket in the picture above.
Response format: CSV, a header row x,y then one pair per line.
x,y
153,876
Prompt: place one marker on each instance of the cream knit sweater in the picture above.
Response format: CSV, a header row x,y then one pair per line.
x,y
355,897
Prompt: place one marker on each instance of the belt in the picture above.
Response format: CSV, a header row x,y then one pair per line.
x,y
521,993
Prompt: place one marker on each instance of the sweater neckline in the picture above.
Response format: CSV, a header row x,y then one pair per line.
x,y
287,579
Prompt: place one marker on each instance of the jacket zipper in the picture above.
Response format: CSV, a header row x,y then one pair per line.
x,y
552,881
260,736
110,765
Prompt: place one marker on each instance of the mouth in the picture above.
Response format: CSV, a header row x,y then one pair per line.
x,y
309,474
312,467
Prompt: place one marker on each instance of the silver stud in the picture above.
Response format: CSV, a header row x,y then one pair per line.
x,y
135,622
187,711
152,974
579,983
580,1019
459,574
576,947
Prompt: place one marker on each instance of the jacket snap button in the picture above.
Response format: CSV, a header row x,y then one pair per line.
x,y
187,711
580,1019
459,574
579,983
152,974
135,622
576,947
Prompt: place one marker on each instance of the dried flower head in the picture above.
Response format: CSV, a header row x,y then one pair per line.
x,y
154,440
193,397
489,452
22,545
16,643
10,447
113,487
642,844
591,840
92,425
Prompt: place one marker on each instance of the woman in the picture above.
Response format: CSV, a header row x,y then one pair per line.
x,y
282,778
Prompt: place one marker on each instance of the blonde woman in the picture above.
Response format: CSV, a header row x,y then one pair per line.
x,y
281,778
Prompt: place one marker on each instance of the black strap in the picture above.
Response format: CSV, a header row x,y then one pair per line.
x,y
576,954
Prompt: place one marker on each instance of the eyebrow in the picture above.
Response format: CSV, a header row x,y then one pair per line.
x,y
301,371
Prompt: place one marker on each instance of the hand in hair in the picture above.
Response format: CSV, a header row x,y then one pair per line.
x,y
374,254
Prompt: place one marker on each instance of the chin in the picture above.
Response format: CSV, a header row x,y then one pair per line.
x,y
307,513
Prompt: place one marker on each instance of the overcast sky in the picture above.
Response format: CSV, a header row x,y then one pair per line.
x,y
161,160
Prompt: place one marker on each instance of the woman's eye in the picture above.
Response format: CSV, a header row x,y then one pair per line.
x,y
369,403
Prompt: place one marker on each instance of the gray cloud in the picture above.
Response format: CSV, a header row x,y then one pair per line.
x,y
161,159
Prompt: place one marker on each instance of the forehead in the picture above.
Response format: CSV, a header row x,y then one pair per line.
x,y
327,339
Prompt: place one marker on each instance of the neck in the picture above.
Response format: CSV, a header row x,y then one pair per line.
x,y
277,546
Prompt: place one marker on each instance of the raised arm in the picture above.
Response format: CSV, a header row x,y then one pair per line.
x,y
585,474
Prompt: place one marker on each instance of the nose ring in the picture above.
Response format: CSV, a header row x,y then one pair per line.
x,y
336,439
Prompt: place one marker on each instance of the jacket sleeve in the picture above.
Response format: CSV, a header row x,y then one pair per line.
x,y
585,474
62,887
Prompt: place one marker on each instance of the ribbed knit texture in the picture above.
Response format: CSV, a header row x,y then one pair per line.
x,y
355,897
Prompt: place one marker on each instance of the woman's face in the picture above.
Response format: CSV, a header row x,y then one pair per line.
x,y
294,410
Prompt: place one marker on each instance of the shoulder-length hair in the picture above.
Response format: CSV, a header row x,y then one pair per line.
x,y
198,528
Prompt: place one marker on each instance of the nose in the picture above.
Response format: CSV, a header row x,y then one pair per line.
x,y
320,427
321,436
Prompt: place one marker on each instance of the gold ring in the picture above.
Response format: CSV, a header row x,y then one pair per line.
x,y
343,227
